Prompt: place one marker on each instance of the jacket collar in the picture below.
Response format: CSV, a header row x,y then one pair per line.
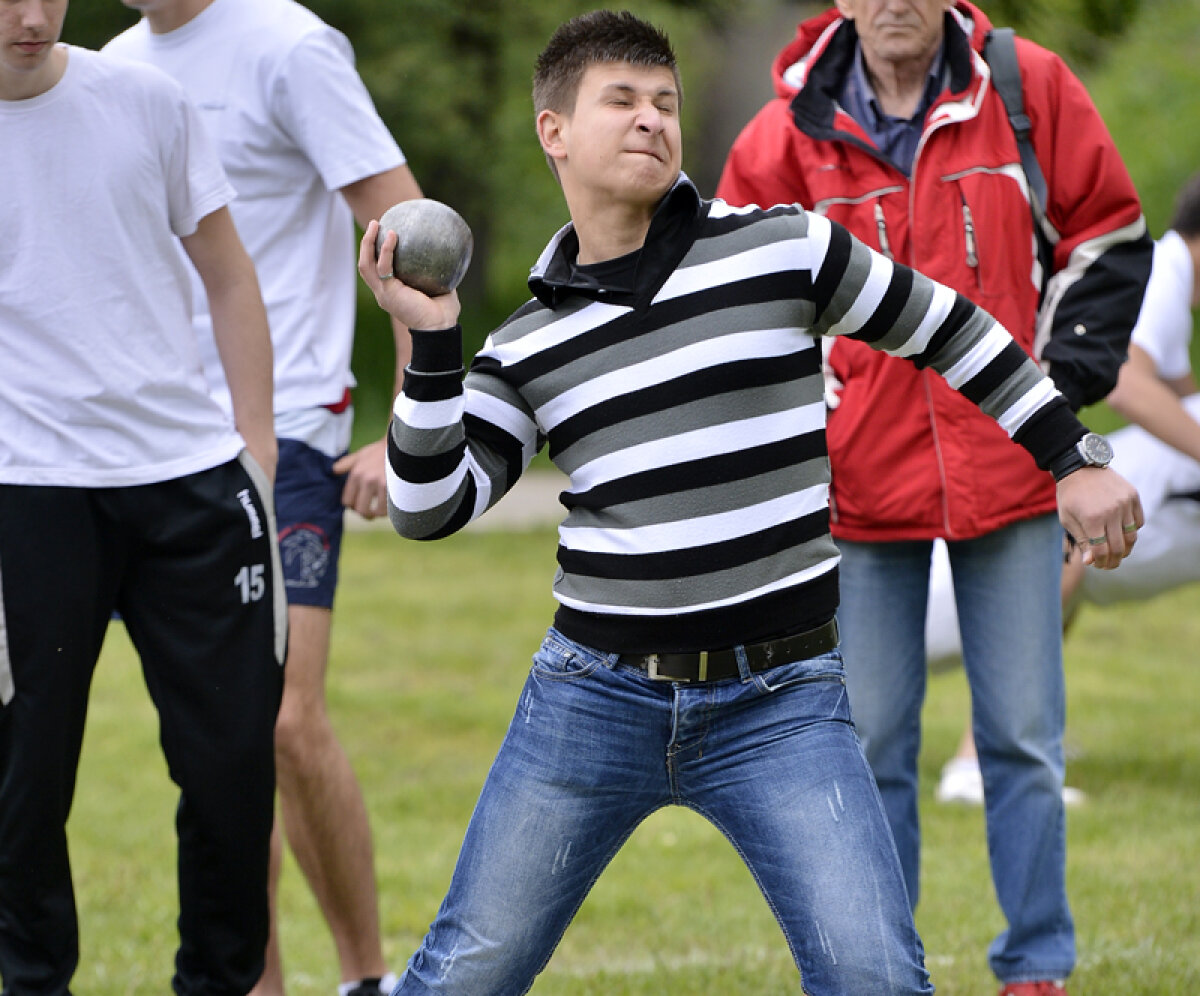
x,y
812,68
554,277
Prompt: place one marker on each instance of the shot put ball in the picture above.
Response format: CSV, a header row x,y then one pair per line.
x,y
433,247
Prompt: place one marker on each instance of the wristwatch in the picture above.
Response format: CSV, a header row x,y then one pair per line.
x,y
1093,450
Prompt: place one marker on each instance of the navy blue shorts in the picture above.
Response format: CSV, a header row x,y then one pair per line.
x,y
309,511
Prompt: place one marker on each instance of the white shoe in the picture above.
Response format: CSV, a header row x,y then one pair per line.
x,y
1073,796
961,781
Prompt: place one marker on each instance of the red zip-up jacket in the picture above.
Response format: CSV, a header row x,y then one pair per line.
x,y
911,458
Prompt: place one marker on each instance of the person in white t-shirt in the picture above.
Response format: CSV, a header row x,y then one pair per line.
x,y
125,488
1159,453
306,151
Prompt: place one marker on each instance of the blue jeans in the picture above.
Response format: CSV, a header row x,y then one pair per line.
x,y
595,747
1006,585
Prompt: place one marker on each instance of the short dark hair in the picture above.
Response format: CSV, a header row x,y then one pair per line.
x,y
1186,220
603,36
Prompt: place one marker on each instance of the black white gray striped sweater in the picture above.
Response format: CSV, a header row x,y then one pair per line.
x,y
686,409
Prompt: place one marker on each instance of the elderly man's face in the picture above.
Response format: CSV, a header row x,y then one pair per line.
x,y
897,30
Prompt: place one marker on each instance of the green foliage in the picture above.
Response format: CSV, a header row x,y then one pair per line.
x,y
431,644
1147,95
1079,30
94,22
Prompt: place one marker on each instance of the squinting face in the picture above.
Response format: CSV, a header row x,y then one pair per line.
x,y
29,30
623,136
897,30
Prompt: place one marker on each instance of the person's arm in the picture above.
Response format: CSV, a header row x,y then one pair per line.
x,y
1143,398
1102,251
861,294
240,329
366,484
1183,387
456,444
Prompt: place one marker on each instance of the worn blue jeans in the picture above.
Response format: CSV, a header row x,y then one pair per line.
x,y
1006,585
595,747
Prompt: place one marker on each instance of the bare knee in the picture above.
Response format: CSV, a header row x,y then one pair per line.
x,y
302,728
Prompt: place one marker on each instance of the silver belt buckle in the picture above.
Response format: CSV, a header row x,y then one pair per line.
x,y
652,662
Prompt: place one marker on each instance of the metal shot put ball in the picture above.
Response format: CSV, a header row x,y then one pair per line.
x,y
433,247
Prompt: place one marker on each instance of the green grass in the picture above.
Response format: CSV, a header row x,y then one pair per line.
x,y
431,644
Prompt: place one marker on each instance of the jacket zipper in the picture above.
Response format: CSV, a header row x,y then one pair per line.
x,y
881,229
969,234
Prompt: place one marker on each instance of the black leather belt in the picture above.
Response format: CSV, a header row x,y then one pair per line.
x,y
714,665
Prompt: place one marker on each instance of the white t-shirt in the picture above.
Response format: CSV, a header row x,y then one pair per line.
x,y
101,383
293,123
1164,326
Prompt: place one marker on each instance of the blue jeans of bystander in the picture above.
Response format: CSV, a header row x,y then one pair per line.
x,y
1006,586
771,759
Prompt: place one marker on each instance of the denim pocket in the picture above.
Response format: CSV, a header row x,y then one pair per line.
x,y
826,667
561,659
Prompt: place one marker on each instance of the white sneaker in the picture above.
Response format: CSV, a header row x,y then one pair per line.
x,y
962,782
1073,796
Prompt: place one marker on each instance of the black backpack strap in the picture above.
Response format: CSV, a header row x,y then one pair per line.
x,y
1000,52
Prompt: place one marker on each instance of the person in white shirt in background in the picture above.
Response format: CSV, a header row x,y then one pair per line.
x,y
125,488
304,147
1159,453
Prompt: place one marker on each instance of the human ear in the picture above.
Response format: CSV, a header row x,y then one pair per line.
x,y
551,133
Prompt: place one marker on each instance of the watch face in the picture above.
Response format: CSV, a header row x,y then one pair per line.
x,y
1096,449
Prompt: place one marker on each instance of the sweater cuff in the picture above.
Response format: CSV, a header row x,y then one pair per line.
x,y
436,350
1051,433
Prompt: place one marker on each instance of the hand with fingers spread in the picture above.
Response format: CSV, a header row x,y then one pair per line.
x,y
401,301
1101,511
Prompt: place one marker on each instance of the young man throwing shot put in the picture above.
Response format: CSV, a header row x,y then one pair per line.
x,y
669,357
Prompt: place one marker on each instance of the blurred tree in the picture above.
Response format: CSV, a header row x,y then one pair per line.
x,y
93,23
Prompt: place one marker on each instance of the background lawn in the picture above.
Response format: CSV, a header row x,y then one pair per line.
x,y
431,644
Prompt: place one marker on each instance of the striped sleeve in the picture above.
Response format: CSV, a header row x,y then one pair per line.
x,y
455,447
863,295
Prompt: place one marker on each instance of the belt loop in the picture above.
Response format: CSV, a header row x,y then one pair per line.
x,y
743,663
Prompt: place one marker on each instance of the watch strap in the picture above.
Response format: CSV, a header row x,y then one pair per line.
x,y
1069,462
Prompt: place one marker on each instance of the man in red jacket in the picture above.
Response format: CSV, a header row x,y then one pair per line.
x,y
887,121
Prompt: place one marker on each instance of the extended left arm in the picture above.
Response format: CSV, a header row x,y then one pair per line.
x,y
366,484
898,310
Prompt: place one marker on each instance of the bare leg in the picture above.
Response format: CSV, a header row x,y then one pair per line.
x,y
324,815
966,746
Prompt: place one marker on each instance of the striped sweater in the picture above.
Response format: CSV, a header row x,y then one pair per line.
x,y
685,406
